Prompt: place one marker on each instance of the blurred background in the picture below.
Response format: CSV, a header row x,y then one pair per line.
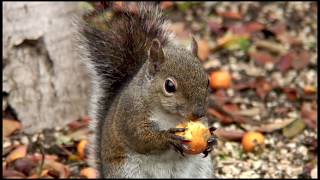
x,y
261,58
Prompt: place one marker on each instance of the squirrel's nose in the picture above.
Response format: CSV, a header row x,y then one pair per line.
x,y
198,112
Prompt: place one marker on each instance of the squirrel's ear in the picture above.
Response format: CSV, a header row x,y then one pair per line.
x,y
156,56
194,47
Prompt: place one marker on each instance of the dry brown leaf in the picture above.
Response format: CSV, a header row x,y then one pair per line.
x,y
271,46
24,165
10,126
219,116
166,4
9,173
249,112
77,124
19,152
253,27
89,173
229,135
63,170
291,93
231,15
309,115
262,57
263,88
215,27
301,60
203,49
285,62
37,157
278,28
273,126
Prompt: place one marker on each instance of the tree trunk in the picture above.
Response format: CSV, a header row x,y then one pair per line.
x,y
47,86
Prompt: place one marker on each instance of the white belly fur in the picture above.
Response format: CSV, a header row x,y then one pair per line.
x,y
168,165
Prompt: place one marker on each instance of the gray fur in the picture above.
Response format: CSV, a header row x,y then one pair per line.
x,y
129,110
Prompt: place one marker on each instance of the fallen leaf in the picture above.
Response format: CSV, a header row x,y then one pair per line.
x,y
219,116
285,62
203,49
286,38
282,110
231,108
231,15
81,148
271,46
215,27
37,157
294,128
249,112
19,152
270,127
74,157
301,60
10,126
229,135
166,4
219,97
63,171
244,85
239,30
261,57
233,41
309,115
79,134
77,124
263,88
184,6
278,28
291,93
89,173
24,165
253,27
9,173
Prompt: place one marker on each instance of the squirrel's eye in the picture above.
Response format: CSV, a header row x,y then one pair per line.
x,y
170,86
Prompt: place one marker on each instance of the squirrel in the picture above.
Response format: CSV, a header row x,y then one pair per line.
x,y
143,85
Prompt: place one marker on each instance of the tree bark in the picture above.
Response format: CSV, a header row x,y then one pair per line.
x,y
46,83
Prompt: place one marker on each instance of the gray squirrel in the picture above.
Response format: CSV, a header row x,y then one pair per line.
x,y
143,85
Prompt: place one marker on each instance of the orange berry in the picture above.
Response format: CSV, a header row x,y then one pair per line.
x,y
89,173
81,148
252,139
220,80
198,133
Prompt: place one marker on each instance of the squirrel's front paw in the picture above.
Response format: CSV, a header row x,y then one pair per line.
x,y
176,141
212,141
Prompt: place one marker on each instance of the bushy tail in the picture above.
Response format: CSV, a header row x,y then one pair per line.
x,y
115,53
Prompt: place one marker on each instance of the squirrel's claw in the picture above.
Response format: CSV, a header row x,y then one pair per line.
x,y
211,129
212,141
175,130
177,141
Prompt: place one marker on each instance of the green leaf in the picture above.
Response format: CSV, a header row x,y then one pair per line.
x,y
238,42
244,44
184,6
294,128
62,139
